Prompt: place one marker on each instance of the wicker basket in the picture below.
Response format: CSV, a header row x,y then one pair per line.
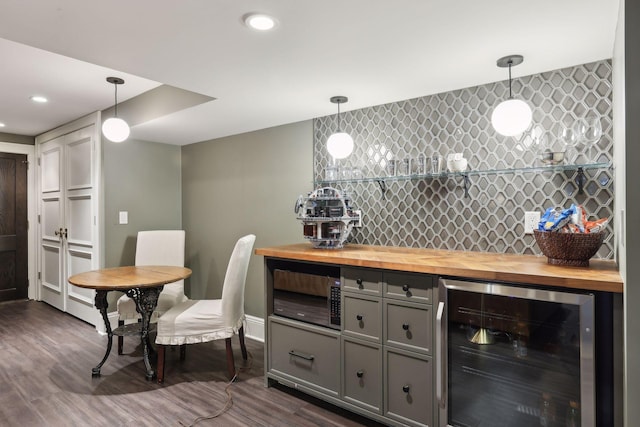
x,y
574,249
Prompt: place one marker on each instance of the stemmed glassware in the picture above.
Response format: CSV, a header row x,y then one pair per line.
x,y
569,139
588,130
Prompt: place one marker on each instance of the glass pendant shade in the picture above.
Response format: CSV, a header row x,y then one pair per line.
x,y
115,129
340,145
511,117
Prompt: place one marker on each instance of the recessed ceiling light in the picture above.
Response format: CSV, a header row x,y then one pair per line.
x,y
38,98
2,125
259,21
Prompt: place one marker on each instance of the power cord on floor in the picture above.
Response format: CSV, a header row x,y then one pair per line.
x,y
229,402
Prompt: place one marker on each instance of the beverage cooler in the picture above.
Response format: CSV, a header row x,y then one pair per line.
x,y
513,356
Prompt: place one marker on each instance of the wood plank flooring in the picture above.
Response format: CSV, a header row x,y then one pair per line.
x,y
46,358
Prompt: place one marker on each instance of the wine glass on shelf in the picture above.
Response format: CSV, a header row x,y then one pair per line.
x,y
589,132
568,140
592,134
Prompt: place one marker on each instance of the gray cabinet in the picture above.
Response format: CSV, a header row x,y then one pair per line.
x,y
379,363
363,281
409,387
362,317
362,374
304,353
408,326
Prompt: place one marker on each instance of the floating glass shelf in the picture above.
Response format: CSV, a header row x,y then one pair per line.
x,y
381,180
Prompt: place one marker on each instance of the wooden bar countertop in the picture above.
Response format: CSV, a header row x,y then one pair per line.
x,y
601,275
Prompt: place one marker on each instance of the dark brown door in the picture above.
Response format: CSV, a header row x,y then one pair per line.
x,y
13,226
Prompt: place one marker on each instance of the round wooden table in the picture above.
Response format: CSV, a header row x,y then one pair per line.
x,y
143,284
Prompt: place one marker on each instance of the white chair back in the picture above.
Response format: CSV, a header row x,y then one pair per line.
x,y
162,247
234,282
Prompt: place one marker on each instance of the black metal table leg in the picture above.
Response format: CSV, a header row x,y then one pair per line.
x,y
101,304
146,301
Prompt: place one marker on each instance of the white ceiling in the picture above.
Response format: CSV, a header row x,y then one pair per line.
x,y
373,51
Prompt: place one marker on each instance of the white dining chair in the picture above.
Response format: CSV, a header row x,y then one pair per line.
x,y
155,247
198,321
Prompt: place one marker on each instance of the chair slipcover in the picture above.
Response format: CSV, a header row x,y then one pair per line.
x,y
157,247
196,321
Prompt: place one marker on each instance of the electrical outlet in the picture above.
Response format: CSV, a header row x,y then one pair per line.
x,y
531,220
359,223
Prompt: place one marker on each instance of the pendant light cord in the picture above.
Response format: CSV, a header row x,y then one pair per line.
x,y
339,127
510,96
116,99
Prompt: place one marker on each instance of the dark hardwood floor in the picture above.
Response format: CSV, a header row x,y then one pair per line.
x,y
46,358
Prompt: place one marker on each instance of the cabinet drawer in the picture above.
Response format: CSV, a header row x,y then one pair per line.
x,y
362,317
408,286
409,396
307,354
362,374
408,325
362,280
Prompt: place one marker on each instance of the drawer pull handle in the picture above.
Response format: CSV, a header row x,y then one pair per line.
x,y
359,317
405,326
405,288
405,388
359,283
294,353
359,374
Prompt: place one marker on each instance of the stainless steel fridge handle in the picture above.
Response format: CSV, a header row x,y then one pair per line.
x,y
441,357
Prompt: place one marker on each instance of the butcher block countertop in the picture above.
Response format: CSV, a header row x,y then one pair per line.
x,y
601,275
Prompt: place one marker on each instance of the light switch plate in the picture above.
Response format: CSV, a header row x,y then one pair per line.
x,y
123,217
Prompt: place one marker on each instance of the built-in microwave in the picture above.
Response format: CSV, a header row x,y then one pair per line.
x,y
307,297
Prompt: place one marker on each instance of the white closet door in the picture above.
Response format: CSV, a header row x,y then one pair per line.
x,y
69,219
51,241
80,218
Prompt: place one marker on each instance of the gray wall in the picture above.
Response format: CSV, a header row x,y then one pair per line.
x,y
143,178
17,139
239,185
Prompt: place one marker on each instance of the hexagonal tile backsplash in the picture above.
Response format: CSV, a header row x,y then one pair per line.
x,y
434,212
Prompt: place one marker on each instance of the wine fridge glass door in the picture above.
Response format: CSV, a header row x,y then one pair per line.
x,y
516,356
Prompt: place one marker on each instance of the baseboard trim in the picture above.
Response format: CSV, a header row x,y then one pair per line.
x,y
253,327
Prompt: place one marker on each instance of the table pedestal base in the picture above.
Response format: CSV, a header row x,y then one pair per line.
x,y
146,300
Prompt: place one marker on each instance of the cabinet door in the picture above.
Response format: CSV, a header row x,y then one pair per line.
x,y
409,396
408,286
362,280
408,326
305,354
362,317
362,374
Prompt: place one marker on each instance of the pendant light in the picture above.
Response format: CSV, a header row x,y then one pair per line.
x,y
340,144
115,129
513,116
